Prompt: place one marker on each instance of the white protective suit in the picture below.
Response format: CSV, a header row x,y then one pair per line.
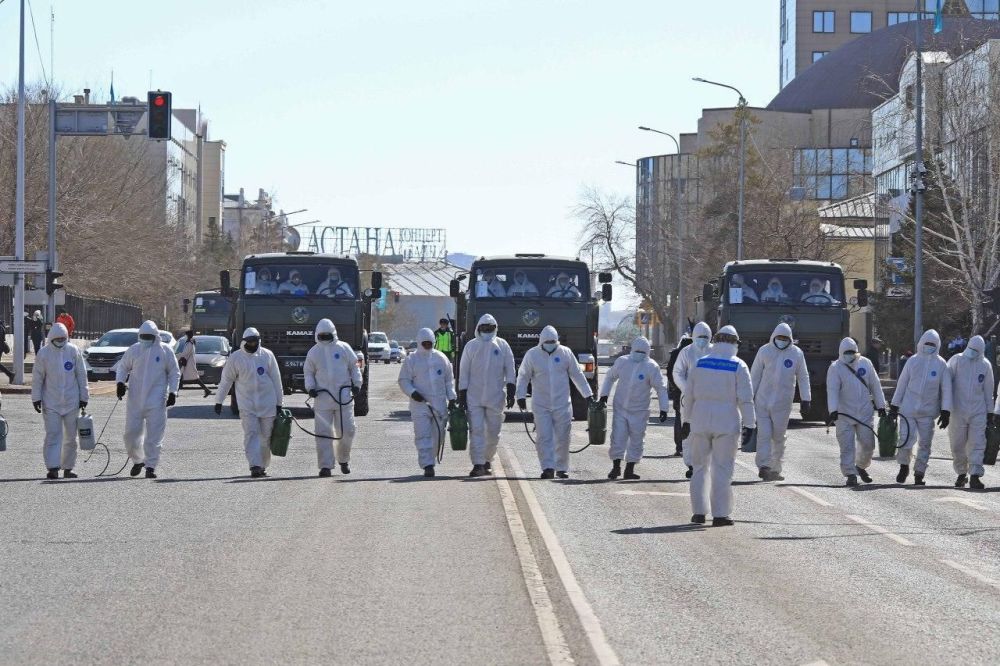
x,y
257,378
774,373
151,373
972,397
549,376
719,401
59,380
428,372
635,379
486,367
922,392
189,371
686,360
332,366
850,389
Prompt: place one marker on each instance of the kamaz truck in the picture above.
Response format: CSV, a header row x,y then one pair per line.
x,y
284,295
527,292
210,313
757,295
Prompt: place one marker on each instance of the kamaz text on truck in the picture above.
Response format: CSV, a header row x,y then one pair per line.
x,y
757,295
284,295
527,292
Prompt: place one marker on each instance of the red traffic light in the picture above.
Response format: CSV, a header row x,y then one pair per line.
x,y
159,100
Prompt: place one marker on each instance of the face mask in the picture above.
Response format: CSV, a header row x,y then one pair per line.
x,y
251,346
426,347
487,336
637,356
774,287
325,338
929,349
782,344
147,342
58,344
849,357
701,343
550,346
333,278
971,354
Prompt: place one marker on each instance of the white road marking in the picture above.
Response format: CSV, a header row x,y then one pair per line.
x,y
651,492
588,619
971,503
972,572
817,663
881,530
808,495
552,634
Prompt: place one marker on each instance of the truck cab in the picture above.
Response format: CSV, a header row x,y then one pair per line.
x,y
210,313
284,295
525,293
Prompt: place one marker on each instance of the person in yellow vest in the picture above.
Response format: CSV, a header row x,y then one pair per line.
x,y
444,339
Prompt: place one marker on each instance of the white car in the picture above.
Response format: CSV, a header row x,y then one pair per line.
x,y
378,348
102,357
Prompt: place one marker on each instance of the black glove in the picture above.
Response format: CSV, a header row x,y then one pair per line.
x,y
83,404
171,399
218,408
991,419
277,410
832,418
804,406
522,404
747,434
355,391
603,400
37,405
313,393
893,412
510,395
882,413
416,396
452,404
121,390
663,416
685,431
183,362
944,419
463,399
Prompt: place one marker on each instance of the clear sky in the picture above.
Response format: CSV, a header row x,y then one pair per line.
x,y
482,117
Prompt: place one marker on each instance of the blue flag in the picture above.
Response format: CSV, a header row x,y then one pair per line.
x,y
112,87
938,18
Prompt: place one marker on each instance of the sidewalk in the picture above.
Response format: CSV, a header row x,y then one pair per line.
x,y
96,388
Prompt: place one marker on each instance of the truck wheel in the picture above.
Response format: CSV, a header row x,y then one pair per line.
x,y
579,405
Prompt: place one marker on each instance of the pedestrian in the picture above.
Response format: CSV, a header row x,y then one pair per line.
x,y
37,331
718,400
58,392
188,362
254,371
486,380
444,339
549,368
149,373
675,392
333,379
5,349
972,396
777,368
633,378
922,394
701,338
851,387
426,376
66,319
874,354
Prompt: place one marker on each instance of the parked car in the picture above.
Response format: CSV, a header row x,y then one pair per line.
x,y
396,352
378,348
101,358
210,354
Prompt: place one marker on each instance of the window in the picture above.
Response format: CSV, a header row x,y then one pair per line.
x,y
784,22
861,22
984,9
818,55
278,280
823,21
781,288
903,17
513,282
832,173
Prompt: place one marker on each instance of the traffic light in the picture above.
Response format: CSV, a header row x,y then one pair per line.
x,y
50,282
159,114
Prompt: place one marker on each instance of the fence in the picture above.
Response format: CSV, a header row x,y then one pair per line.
x,y
93,316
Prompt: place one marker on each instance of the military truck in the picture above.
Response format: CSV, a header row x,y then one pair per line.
x,y
210,313
525,293
756,295
284,295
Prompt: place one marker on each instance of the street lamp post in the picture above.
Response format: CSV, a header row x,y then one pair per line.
x,y
742,110
679,223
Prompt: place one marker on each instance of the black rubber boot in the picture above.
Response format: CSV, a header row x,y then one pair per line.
x,y
863,473
136,468
345,468
478,470
688,474
904,471
488,467
722,522
53,473
562,475
698,519
256,472
324,472
961,481
630,472
429,471
852,480
616,470
69,474
150,473
763,472
548,473
976,482
918,479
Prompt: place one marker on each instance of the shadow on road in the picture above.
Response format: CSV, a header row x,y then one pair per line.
x,y
247,479
96,479
204,411
204,478
397,415
662,529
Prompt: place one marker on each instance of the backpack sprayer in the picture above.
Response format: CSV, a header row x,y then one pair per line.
x,y
887,433
597,426
282,433
85,433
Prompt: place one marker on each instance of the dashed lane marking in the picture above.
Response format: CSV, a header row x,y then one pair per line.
x,y
808,495
972,573
660,493
971,503
881,530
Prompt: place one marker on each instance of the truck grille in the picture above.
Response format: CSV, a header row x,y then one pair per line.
x,y
103,360
282,344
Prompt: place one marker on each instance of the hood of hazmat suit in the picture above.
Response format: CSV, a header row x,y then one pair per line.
x,y
486,367
972,380
59,378
151,372
851,387
775,373
332,366
924,386
634,381
719,398
429,372
550,375
257,379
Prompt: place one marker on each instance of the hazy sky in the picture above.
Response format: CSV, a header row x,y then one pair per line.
x,y
485,118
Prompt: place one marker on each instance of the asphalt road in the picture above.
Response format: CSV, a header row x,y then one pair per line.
x,y
204,565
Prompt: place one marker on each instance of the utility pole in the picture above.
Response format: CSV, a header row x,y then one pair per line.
x,y
19,217
918,192
53,261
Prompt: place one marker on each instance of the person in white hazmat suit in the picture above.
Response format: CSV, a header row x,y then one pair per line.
x,y
635,375
720,401
777,368
922,394
549,368
485,373
58,392
852,385
254,372
149,373
972,398
332,377
701,345
427,377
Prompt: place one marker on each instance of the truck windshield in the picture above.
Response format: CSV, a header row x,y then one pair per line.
x,y
521,282
785,288
301,280
211,304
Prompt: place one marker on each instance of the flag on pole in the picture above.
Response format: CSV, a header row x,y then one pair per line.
x,y
938,18
112,86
